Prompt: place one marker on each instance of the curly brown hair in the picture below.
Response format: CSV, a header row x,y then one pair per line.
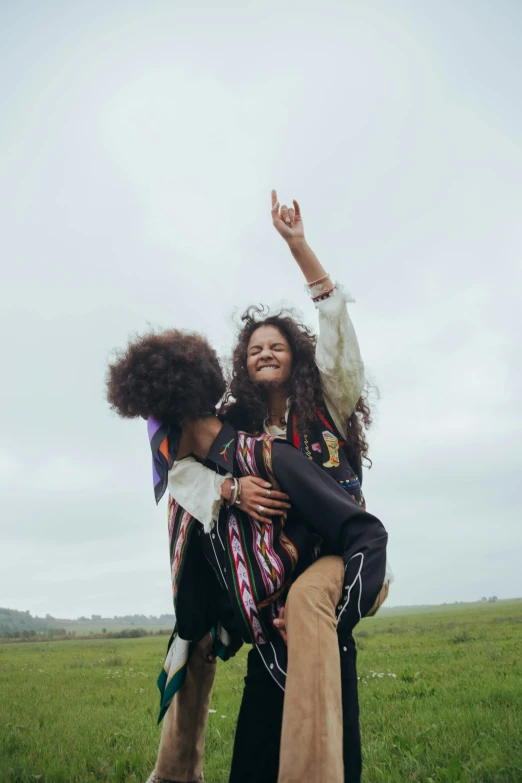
x,y
171,374
245,404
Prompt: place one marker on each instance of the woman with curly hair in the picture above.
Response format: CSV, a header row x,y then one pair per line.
x,y
289,384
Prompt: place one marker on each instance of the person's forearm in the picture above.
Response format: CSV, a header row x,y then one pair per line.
x,y
310,265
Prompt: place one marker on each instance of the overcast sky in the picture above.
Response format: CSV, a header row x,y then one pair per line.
x,y
139,142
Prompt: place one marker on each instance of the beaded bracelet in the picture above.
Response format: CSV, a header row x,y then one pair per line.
x,y
323,295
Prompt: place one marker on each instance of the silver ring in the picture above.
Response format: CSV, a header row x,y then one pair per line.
x,y
268,492
260,510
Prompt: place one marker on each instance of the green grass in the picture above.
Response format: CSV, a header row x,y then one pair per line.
x,y
440,692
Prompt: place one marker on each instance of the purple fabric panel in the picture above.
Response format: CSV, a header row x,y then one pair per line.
x,y
153,426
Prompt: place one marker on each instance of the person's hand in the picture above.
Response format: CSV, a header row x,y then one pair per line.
x,y
280,624
204,647
257,494
287,220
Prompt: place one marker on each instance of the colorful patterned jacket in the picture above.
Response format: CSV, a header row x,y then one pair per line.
x,y
233,581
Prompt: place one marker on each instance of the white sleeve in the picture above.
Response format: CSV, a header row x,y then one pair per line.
x,y
338,357
197,489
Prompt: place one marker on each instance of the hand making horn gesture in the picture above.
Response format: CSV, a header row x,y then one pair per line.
x,y
287,220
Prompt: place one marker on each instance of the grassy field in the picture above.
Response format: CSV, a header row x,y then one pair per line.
x,y
440,692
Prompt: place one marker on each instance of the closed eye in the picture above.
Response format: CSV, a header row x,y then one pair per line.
x,y
255,349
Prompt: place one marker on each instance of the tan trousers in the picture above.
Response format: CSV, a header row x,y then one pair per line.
x,y
182,746
312,733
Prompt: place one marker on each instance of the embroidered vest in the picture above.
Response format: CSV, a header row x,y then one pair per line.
x,y
323,444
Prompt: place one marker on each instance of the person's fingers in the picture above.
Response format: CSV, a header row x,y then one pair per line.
x,y
206,640
291,215
259,518
281,627
252,509
269,503
259,482
284,215
276,495
274,198
255,512
264,487
297,209
205,645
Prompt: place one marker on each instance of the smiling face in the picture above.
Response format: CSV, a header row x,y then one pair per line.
x,y
269,356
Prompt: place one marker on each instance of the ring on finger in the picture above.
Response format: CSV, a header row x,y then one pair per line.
x,y
268,492
261,510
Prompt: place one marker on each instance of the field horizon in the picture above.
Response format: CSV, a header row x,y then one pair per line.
x,y
96,623
440,691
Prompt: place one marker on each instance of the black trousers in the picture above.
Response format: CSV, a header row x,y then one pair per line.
x,y
258,734
346,529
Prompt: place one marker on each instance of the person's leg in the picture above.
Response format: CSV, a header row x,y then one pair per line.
x,y
258,734
351,730
182,745
346,528
312,733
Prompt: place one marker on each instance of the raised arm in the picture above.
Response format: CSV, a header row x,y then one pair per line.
x,y
338,356
289,223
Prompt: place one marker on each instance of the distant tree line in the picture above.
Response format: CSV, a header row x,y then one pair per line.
x,y
141,620
61,635
12,621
